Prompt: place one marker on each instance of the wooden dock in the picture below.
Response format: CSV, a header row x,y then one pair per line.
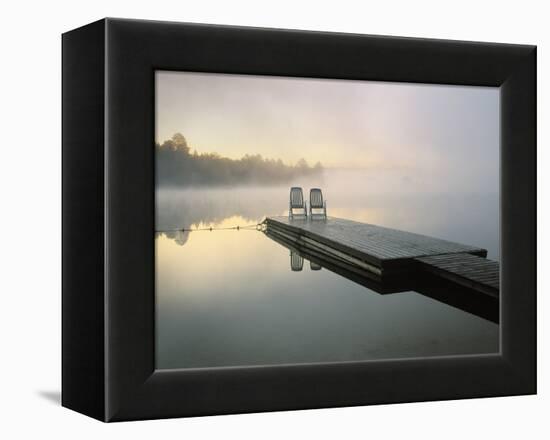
x,y
384,254
468,270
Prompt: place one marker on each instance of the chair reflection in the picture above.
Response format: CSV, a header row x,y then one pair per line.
x,y
297,263
314,266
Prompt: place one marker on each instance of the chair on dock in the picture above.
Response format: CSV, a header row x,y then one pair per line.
x,y
297,202
316,202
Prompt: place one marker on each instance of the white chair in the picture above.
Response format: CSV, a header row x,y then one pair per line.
x,y
297,203
317,203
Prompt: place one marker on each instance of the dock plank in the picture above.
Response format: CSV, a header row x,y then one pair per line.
x,y
465,269
387,253
376,244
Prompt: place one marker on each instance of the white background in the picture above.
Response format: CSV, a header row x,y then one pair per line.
x,y
30,185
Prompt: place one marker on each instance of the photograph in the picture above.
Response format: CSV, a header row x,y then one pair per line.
x,y
306,220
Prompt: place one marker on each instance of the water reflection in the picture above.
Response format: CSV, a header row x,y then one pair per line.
x,y
296,262
229,298
180,237
468,300
233,297
314,266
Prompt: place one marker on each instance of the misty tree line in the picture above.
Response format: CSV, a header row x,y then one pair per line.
x,y
177,165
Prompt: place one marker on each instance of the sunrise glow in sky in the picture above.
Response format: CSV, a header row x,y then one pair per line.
x,y
340,123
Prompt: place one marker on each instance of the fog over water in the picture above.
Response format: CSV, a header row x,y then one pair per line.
x,y
416,157
229,297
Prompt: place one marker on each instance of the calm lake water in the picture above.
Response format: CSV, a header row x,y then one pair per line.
x,y
229,298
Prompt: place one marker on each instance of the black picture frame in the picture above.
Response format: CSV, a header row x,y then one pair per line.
x,y
108,219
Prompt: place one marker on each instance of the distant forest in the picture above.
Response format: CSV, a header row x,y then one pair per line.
x,y
177,165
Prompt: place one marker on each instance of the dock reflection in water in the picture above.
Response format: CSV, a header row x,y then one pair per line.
x,y
389,260
229,298
468,300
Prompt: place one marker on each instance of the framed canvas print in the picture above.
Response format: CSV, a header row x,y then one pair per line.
x,y
262,219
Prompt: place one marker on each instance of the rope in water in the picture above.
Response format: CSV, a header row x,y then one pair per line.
x,y
254,227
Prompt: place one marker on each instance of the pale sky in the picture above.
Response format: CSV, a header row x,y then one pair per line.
x,y
337,122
